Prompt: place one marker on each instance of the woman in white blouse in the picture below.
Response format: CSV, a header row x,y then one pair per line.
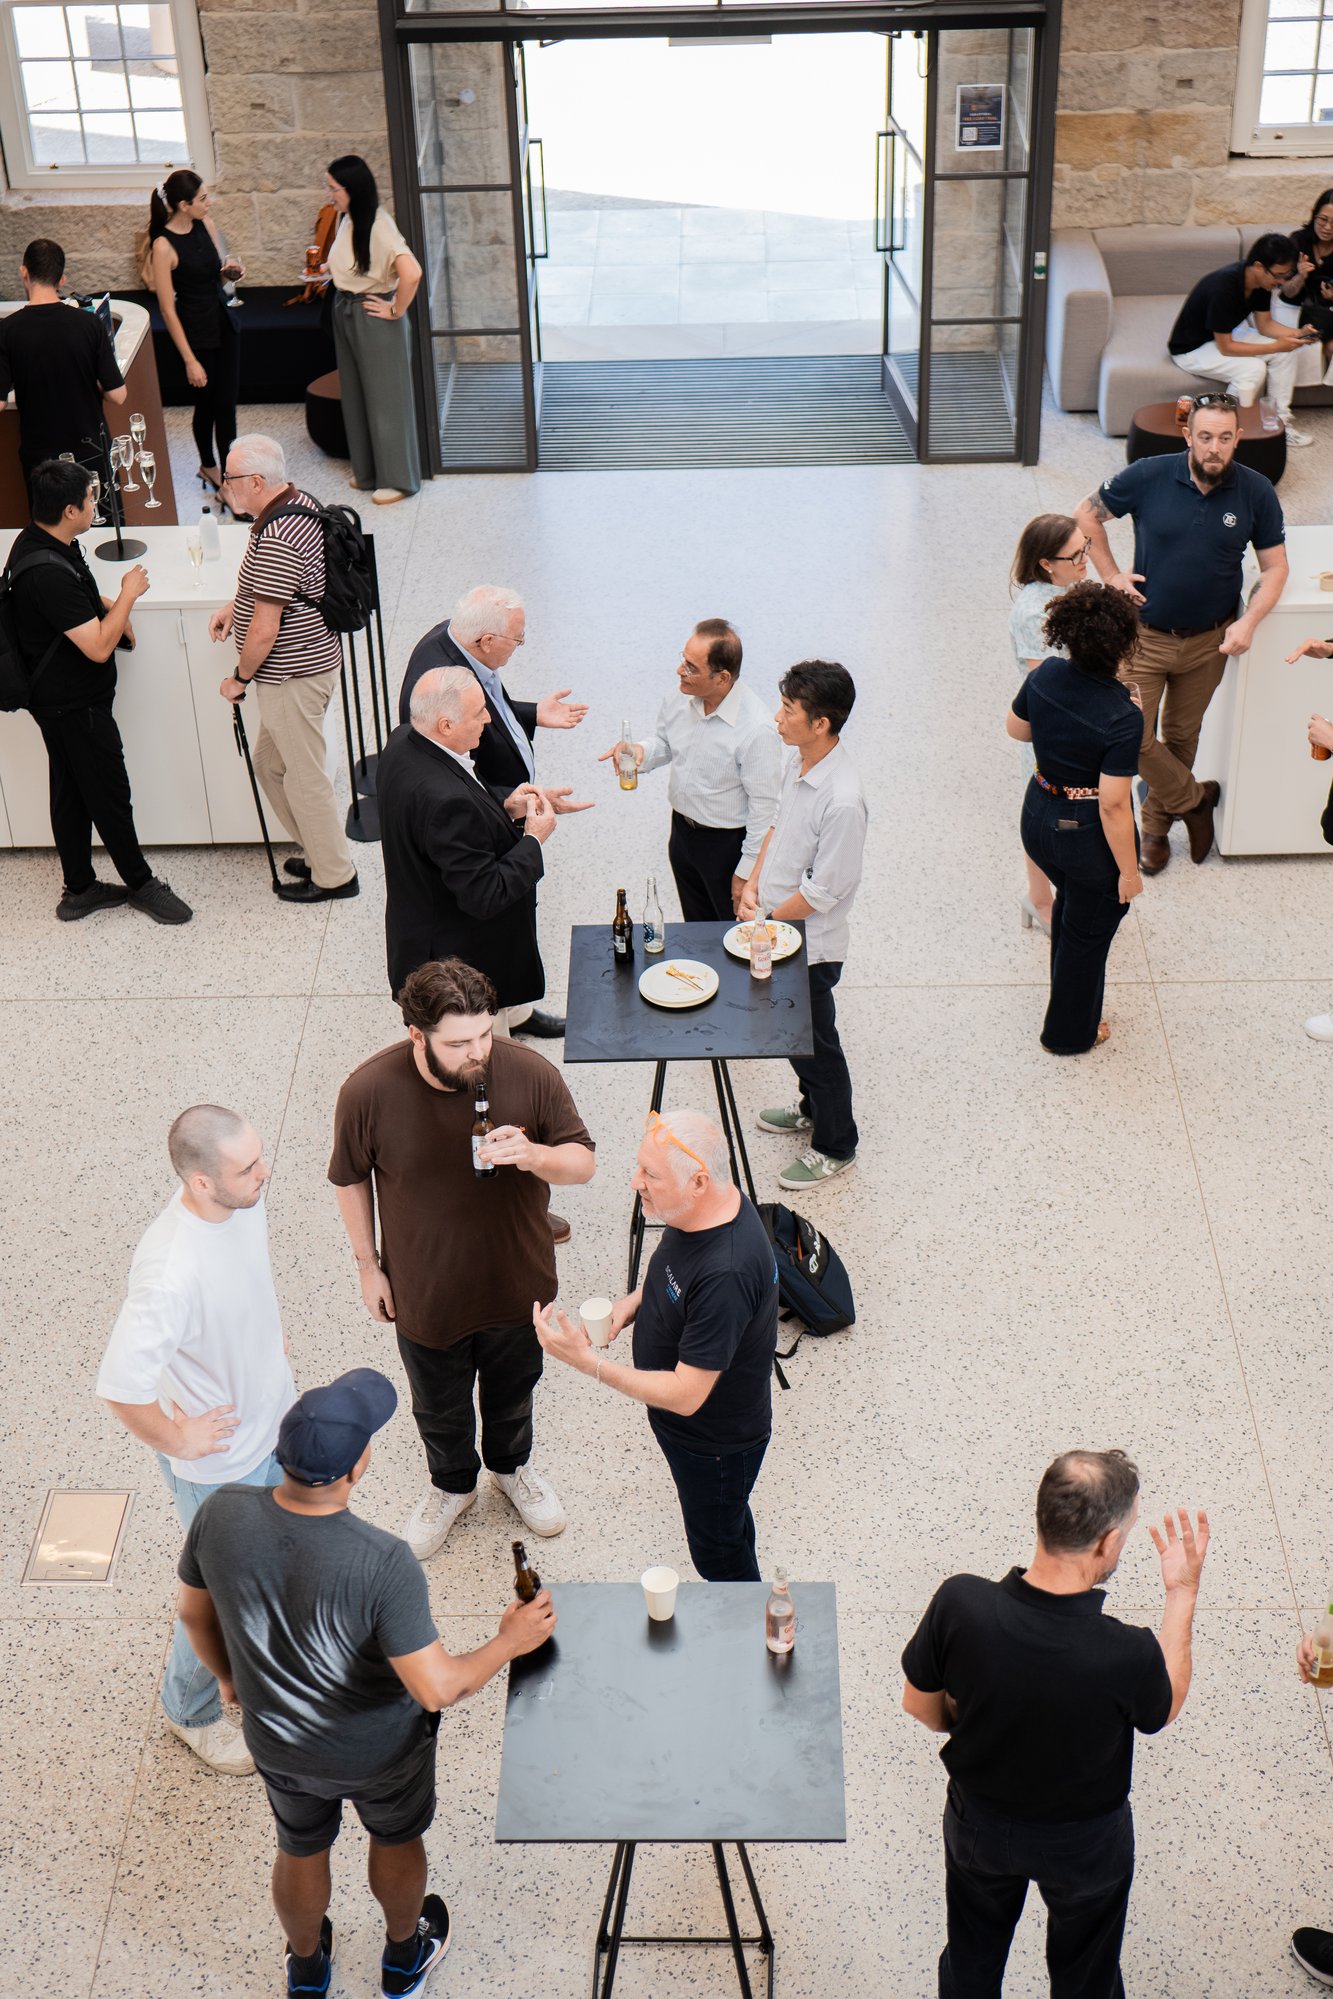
x,y
375,279
1051,554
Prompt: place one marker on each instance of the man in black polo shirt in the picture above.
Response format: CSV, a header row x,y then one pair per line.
x,y
67,635
1194,516
1204,339
1040,1696
60,364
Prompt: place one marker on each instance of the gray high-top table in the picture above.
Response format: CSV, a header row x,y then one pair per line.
x,y
609,1020
621,1730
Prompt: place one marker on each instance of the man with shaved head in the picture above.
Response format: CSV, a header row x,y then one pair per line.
x,y
197,1369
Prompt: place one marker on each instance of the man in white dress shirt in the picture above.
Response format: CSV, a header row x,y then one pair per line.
x,y
726,767
197,1369
809,870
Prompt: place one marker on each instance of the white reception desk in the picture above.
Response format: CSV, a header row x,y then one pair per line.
x,y
1253,736
188,782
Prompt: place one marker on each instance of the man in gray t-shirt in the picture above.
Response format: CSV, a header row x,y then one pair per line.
x,y
320,1626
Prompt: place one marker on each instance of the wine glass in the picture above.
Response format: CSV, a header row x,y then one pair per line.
x,y
148,466
66,458
129,484
139,428
194,548
95,488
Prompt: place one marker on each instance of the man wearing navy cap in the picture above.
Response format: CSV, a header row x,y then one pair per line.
x,y
320,1626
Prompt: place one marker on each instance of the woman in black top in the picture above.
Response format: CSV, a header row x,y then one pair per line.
x,y
188,272
1086,730
1313,283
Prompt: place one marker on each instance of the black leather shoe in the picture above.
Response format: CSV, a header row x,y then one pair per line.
x,y
298,867
560,1229
308,891
1199,823
544,1026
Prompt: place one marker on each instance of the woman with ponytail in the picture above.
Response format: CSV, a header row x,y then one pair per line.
x,y
187,270
375,279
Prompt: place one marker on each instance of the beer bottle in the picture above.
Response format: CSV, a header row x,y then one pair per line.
x,y
526,1580
1322,1670
482,1128
654,930
622,931
627,767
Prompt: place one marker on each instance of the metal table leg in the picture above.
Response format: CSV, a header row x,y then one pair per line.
x,y
609,1940
638,1228
611,1935
733,1927
731,1125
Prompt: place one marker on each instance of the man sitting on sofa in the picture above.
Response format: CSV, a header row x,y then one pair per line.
x,y
1203,340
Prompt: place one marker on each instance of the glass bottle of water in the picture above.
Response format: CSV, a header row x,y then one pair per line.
x,y
761,947
654,930
779,1616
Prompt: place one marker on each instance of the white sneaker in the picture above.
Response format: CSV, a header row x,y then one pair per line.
x,y
532,1499
218,1744
432,1518
1295,436
1319,1027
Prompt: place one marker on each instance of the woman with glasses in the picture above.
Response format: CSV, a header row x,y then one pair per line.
x,y
1052,553
375,279
1086,728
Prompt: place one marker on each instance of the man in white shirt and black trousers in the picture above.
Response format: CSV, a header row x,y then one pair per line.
x,y
726,770
809,870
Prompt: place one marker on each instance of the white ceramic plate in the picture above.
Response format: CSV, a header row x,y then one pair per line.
x,y
661,987
786,945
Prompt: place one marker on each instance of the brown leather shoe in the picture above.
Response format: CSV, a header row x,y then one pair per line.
x,y
1199,823
560,1229
1154,853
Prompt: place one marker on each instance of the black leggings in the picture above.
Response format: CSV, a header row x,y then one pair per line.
x,y
215,403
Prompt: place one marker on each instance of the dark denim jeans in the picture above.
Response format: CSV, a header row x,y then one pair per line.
x,y
1083,1870
826,1082
1064,837
504,1366
714,1492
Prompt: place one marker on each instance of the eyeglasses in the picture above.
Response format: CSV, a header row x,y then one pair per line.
x,y
1079,554
503,638
1216,400
661,1133
235,478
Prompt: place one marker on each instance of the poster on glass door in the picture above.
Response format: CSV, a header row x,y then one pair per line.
x,y
979,118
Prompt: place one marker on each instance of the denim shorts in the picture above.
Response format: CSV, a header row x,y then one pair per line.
x,y
394,1805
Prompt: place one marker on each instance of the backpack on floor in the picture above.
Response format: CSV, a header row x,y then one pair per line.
x,y
813,1286
17,679
349,592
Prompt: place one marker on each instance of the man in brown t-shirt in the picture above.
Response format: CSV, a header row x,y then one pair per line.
x,y
461,1255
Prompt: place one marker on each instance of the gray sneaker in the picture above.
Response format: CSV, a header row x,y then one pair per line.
x,y
156,899
786,1121
100,895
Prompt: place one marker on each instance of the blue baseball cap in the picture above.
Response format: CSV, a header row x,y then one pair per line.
x,y
326,1429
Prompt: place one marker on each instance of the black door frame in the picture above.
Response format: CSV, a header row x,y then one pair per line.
x,y
399,30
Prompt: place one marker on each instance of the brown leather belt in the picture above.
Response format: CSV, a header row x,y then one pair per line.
x,y
1193,631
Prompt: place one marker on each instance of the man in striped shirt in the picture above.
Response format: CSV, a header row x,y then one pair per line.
x,y
726,772
285,647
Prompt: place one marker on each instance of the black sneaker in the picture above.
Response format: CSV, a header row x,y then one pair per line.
x,y
1312,1950
101,895
301,1982
298,867
309,891
432,1941
155,899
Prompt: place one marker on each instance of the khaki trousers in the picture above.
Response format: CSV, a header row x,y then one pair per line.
x,y
1176,679
289,763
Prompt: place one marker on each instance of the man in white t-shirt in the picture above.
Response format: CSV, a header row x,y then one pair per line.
x,y
197,1368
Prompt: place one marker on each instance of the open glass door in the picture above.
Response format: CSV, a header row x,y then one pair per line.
x,y
536,236
900,227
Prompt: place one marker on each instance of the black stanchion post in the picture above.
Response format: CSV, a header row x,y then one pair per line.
x,y
379,635
355,813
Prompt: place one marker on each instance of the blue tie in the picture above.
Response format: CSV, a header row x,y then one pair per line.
x,y
495,694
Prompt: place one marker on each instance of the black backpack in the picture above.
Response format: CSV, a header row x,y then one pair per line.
x,y
813,1285
17,679
349,590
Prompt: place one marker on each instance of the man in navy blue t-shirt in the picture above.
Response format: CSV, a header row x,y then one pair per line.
x,y
705,1324
1194,514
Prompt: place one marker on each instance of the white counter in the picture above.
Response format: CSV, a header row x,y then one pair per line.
x,y
188,783
1253,736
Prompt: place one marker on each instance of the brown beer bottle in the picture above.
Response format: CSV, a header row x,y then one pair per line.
x,y
526,1580
482,1128
622,931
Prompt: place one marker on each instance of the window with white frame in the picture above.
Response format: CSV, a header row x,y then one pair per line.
x,y
101,94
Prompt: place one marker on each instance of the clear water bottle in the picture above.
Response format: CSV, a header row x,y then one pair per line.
x,y
779,1616
208,535
654,930
761,947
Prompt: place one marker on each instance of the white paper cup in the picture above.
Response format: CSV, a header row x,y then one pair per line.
x,y
596,1316
659,1592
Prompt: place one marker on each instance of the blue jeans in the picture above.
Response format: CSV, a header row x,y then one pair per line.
x,y
714,1491
189,1691
826,1082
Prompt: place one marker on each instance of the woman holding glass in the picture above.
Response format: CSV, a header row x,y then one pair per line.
x,y
1052,553
186,260
375,279
1086,729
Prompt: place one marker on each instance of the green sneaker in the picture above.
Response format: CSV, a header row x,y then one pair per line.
x,y
812,1169
788,1121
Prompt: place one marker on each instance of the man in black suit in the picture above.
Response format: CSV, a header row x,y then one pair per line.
x,y
483,632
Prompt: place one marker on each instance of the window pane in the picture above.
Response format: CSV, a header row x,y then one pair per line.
x,y
40,31
1290,45
1294,10
102,86
147,33
1323,99
95,32
161,135
57,141
1326,46
49,86
1285,100
154,86
110,140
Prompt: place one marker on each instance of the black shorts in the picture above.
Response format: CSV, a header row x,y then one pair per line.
x,y
395,1804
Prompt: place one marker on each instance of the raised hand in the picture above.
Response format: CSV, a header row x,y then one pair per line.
x,y
554,712
1181,1555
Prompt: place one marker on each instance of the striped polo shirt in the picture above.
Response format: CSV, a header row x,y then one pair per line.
x,y
285,557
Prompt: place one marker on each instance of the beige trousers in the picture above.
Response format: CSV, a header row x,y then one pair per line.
x,y
289,763
1177,678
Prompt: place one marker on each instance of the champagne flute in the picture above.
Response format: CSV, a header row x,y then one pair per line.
x,y
129,484
95,488
194,548
138,428
148,466
66,458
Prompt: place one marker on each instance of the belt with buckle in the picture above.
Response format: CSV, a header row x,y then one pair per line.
x,y
1189,632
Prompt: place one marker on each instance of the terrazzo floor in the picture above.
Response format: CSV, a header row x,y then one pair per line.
x,y
1131,1248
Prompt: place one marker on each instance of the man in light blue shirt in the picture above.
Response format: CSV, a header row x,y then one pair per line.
x,y
809,870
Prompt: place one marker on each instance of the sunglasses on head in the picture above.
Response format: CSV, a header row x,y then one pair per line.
x,y
1220,401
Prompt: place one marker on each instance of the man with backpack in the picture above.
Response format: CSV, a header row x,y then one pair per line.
x,y
285,644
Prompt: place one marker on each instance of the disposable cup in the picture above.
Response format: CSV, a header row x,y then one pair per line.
x,y
659,1593
596,1316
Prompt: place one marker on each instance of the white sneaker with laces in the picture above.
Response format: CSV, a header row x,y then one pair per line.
x,y
219,1745
1319,1027
533,1500
432,1519
1295,436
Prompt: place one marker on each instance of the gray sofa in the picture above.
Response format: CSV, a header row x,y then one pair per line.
x,y
1112,299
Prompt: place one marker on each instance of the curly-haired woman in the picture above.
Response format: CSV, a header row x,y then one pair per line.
x,y
1086,729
